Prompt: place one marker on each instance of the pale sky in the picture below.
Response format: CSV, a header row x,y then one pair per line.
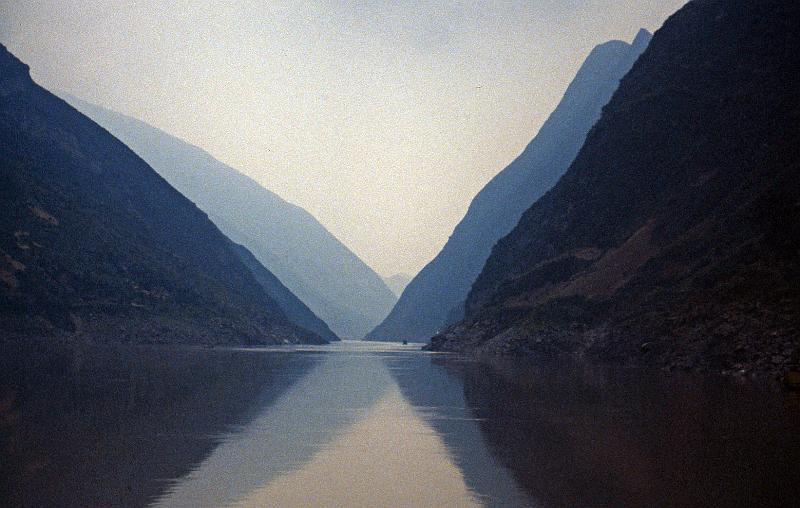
x,y
381,118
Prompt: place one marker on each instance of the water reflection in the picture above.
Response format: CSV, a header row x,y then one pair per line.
x,y
438,397
365,424
342,436
587,436
108,426
390,457
336,393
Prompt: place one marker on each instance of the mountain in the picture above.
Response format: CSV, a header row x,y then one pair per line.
x,y
295,310
674,237
95,246
398,282
435,297
331,280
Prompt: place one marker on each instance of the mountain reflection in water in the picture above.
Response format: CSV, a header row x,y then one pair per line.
x,y
108,426
590,436
368,424
341,436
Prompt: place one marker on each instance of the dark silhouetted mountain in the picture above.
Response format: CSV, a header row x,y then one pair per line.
x,y
331,280
295,310
674,237
94,245
398,282
435,297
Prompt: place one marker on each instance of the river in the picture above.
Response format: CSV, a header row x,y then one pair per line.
x,y
374,424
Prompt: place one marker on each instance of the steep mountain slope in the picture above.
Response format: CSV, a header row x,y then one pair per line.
x,y
94,243
435,297
295,310
332,281
674,237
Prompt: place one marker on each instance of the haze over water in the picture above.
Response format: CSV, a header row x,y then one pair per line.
x,y
358,424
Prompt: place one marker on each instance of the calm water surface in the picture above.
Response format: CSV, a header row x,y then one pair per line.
x,y
369,424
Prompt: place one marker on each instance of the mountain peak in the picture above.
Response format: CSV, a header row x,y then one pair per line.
x,y
698,290
642,39
13,73
435,297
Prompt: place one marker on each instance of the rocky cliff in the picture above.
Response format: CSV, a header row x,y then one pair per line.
x,y
674,237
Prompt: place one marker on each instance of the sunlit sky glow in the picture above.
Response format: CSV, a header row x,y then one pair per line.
x,y
383,119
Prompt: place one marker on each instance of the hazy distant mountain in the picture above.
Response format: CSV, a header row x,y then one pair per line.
x,y
398,282
434,298
332,281
674,237
94,245
297,312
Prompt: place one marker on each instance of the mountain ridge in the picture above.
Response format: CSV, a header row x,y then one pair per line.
x,y
672,240
435,296
311,262
97,246
296,311
398,282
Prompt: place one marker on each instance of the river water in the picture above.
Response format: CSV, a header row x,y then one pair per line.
x,y
372,424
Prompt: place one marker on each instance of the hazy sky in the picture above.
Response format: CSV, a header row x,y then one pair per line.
x,y
381,118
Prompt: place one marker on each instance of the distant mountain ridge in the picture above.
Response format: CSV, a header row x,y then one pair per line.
x,y
296,311
331,280
674,237
398,282
96,246
435,297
